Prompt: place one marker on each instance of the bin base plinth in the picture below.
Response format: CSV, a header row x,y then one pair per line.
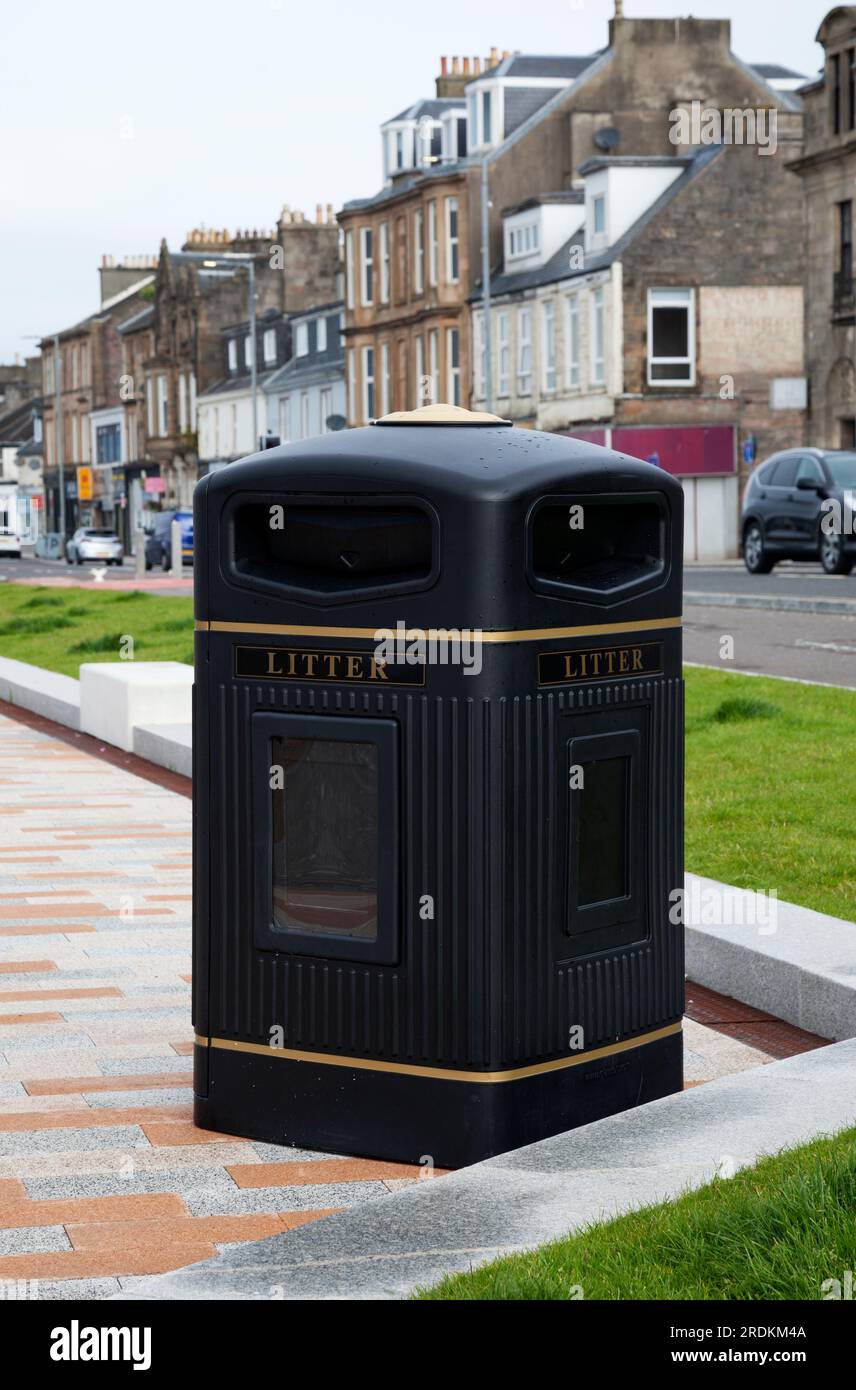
x,y
423,1119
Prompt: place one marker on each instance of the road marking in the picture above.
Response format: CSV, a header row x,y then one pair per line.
x,y
825,646
766,675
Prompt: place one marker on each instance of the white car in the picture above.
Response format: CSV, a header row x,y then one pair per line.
x,y
10,542
88,544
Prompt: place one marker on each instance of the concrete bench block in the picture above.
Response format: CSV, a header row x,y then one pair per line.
x,y
168,745
42,692
117,695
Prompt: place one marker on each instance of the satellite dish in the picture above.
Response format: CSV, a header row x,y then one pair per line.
x,y
336,422
607,139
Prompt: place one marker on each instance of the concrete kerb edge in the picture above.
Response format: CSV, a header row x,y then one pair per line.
x,y
519,1200
784,604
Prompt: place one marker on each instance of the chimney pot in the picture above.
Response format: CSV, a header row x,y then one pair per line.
x,y
466,66
318,218
456,63
506,53
330,217
494,56
443,65
476,66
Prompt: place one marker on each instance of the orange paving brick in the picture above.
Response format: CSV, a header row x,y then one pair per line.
x,y
113,1261
319,1170
301,1218
78,1085
11,1190
29,911
31,1018
35,849
26,967
83,873
20,995
188,979
66,838
25,894
64,929
63,1211
168,897
83,829
26,859
185,1230
173,1134
184,1049
28,805
94,1119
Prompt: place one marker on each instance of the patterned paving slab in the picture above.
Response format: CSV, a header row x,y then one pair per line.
x,y
103,1176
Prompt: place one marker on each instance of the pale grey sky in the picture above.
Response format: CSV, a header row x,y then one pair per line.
x,y
124,123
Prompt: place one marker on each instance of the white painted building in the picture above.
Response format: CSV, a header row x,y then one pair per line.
x,y
306,397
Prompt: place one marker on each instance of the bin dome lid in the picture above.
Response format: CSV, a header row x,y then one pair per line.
x,y
441,414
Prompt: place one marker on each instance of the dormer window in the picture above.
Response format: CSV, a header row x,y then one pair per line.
x,y
269,346
248,352
301,339
454,142
598,206
487,110
523,240
320,335
484,115
232,350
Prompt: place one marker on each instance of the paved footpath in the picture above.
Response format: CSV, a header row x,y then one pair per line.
x,y
103,1177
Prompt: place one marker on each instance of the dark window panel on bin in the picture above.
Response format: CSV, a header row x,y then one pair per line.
x,y
438,744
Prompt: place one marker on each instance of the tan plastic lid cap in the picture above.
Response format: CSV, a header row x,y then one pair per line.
x,y
440,414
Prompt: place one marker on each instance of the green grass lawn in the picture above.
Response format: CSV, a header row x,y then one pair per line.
x,y
770,772
771,783
60,628
777,1230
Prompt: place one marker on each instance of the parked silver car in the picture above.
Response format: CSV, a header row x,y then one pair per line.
x,y
90,544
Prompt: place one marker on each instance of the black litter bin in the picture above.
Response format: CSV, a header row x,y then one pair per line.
x,y
438,787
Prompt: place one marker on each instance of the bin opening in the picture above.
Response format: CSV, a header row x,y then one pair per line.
x,y
332,548
325,838
617,544
602,862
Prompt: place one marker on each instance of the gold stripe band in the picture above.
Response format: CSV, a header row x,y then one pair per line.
x,y
487,1078
522,634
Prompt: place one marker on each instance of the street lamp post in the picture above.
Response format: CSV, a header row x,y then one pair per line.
x,y
59,442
